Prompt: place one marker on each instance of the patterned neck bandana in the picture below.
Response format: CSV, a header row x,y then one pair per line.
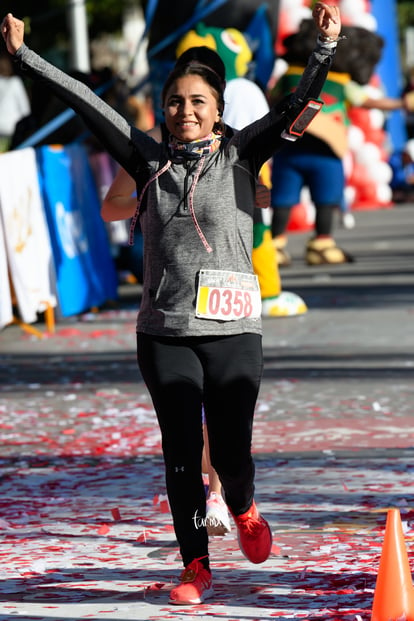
x,y
194,150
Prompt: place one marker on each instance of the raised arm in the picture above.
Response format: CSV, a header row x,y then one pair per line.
x,y
265,136
110,128
328,22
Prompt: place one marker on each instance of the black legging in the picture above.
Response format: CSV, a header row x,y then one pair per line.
x,y
323,219
224,374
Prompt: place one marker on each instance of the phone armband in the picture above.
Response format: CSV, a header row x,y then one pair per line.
x,y
302,120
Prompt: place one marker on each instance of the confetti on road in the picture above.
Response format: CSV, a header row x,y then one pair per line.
x,y
84,520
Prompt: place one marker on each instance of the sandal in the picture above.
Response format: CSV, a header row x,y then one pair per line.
x,y
324,251
283,258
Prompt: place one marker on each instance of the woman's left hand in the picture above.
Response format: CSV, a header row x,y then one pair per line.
x,y
327,19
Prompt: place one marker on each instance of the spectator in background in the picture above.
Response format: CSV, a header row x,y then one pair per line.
x,y
409,88
245,103
14,101
316,161
402,164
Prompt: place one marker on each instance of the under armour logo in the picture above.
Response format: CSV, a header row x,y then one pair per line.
x,y
179,469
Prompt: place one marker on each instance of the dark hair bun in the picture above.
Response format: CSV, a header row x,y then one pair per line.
x,y
205,56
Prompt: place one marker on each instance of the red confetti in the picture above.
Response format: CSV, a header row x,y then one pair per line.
x,y
116,514
164,506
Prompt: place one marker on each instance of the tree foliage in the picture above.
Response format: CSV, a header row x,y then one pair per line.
x,y
47,23
405,10
103,15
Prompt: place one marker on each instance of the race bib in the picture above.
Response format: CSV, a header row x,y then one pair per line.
x,y
228,295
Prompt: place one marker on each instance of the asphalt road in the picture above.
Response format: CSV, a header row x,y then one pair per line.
x,y
333,442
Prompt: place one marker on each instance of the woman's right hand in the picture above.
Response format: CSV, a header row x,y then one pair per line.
x,y
12,30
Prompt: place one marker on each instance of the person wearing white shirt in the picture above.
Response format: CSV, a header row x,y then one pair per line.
x,y
14,101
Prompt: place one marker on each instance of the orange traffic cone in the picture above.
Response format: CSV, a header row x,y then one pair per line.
x,y
394,592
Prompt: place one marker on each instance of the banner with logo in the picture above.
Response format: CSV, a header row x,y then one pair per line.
x,y
85,271
26,255
6,313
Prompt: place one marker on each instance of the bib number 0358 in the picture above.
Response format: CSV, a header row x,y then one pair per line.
x,y
227,296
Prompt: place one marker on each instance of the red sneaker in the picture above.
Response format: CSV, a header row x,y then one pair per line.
x,y
255,538
196,585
